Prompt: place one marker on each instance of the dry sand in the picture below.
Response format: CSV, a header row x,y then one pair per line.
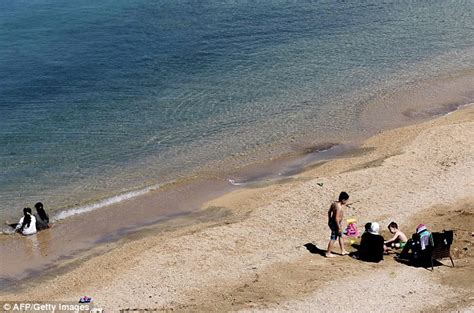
x,y
251,250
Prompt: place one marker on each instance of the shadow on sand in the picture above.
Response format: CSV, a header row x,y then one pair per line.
x,y
424,263
315,250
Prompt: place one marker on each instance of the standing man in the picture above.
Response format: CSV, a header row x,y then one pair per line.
x,y
335,216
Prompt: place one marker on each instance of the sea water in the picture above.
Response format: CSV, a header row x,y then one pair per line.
x,y
104,100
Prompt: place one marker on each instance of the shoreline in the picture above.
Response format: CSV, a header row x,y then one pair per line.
x,y
434,97
257,229
177,203
152,208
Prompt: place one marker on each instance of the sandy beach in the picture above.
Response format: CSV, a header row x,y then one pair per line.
x,y
260,249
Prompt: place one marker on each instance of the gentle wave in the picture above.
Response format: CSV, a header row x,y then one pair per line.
x,y
234,183
103,203
104,119
7,231
93,206
460,107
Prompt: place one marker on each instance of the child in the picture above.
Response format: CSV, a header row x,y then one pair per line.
x,y
335,216
398,240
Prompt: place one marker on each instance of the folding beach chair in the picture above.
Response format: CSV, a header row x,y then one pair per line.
x,y
441,246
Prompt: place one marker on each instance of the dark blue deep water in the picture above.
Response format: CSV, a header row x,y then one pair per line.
x,y
98,98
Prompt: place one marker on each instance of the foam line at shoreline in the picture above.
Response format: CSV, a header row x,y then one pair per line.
x,y
459,107
270,177
63,214
103,203
132,194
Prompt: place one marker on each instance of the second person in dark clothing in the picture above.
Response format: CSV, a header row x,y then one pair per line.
x,y
371,245
42,219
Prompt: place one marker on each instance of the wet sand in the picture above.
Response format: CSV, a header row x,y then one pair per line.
x,y
82,236
79,236
260,248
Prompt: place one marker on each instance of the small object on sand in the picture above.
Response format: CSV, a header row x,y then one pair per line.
x,y
352,203
351,229
320,184
85,299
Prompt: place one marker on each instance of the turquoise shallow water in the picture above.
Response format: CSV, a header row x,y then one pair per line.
x,y
102,98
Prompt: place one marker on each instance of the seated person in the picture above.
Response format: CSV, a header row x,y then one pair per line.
x,y
27,224
42,219
419,242
371,244
367,227
398,240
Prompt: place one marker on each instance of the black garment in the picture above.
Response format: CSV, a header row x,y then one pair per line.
x,y
371,248
40,223
414,245
332,225
405,251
